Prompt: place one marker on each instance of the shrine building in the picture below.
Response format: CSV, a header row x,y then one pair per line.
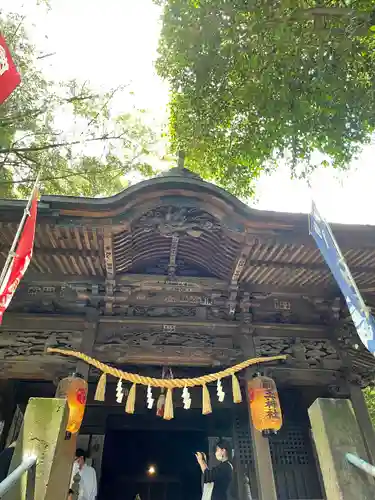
x,y
176,273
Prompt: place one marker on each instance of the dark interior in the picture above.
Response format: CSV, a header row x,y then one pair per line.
x,y
129,454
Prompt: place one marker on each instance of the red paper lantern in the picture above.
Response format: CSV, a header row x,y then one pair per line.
x,y
74,389
265,405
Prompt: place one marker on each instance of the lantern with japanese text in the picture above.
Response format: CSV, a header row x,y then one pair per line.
x,y
264,405
74,389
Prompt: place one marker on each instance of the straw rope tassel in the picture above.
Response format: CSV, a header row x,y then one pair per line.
x,y
236,389
130,402
100,388
168,408
206,400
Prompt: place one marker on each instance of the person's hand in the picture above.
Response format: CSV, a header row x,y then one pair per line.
x,y
201,459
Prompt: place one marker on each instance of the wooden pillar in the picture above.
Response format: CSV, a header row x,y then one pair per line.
x,y
88,340
262,458
364,421
336,432
261,447
43,434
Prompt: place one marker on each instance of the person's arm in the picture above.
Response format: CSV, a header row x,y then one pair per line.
x,y
94,484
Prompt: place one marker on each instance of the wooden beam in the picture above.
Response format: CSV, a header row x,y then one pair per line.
x,y
110,268
152,282
261,447
212,325
24,322
323,291
88,341
172,265
287,330
238,267
302,377
108,256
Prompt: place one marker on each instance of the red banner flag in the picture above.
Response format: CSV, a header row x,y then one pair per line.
x,y
21,260
9,76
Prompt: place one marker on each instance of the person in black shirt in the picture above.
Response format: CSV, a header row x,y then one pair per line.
x,y
221,475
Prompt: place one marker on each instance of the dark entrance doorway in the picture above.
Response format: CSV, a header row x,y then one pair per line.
x,y
130,454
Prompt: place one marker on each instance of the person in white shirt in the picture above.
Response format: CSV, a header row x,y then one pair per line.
x,y
87,483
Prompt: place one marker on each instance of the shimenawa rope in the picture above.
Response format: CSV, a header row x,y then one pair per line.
x,y
176,383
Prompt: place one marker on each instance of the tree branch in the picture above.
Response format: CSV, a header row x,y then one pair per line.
x,y
46,147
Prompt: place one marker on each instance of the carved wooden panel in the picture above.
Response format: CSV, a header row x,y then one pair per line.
x,y
271,308
171,221
29,345
301,352
167,312
356,357
164,343
143,297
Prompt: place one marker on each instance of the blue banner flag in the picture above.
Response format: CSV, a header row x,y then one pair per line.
x,y
360,313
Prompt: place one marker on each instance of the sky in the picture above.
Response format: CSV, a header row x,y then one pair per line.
x,y
114,42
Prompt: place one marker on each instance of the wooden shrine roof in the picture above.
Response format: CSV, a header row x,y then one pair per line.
x,y
219,237
180,271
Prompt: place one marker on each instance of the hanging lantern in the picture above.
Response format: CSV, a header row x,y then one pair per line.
x,y
74,388
265,405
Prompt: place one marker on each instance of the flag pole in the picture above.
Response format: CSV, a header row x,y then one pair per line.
x,y
341,255
26,213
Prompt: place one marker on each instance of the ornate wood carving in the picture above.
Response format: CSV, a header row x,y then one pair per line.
x,y
29,345
274,308
165,343
301,352
178,221
22,353
233,286
358,361
166,312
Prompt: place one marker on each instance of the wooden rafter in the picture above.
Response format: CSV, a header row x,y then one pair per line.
x,y
172,265
110,270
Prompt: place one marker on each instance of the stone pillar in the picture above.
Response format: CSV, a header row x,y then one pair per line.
x,y
43,434
336,432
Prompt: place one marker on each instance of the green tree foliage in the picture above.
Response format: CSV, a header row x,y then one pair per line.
x,y
253,81
65,129
370,400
